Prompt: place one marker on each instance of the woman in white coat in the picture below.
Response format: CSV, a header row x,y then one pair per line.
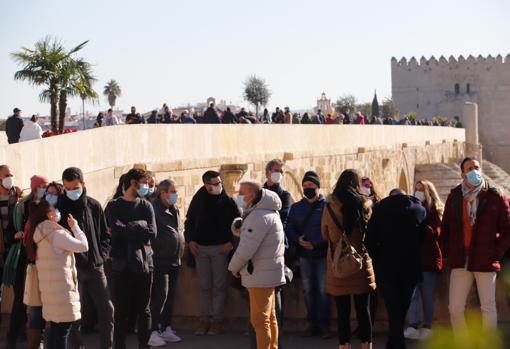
x,y
31,130
258,259
56,268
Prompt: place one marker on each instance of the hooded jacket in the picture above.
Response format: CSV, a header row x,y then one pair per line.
x,y
394,238
259,256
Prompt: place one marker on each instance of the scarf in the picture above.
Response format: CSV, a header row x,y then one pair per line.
x,y
471,196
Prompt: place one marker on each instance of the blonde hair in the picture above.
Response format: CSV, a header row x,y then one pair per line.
x,y
432,197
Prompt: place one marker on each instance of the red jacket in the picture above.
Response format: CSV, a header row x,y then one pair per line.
x,y
431,256
491,231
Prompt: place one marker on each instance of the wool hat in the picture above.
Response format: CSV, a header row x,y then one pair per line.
x,y
36,181
311,176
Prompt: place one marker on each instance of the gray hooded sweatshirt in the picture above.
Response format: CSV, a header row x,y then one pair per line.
x,y
262,243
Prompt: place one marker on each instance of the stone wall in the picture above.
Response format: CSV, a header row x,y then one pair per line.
x,y
387,154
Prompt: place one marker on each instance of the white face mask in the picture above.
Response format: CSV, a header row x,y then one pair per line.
x,y
366,191
276,177
8,182
217,189
58,216
420,195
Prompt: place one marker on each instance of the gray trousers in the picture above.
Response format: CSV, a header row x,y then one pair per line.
x,y
93,281
211,266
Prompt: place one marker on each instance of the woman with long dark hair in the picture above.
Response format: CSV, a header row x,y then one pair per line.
x,y
345,218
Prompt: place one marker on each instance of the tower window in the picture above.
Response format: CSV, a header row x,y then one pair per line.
x,y
456,88
468,88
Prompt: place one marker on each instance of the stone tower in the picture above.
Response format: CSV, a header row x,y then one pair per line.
x,y
440,87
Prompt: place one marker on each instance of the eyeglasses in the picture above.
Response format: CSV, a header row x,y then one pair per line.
x,y
215,184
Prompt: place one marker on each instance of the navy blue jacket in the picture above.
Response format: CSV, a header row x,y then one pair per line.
x,y
312,230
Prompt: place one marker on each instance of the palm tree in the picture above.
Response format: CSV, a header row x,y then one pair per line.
x,y
112,91
77,80
43,66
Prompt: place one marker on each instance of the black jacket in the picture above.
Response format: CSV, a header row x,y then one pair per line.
x,y
168,245
229,118
89,214
284,197
13,127
133,226
135,119
209,218
394,238
211,117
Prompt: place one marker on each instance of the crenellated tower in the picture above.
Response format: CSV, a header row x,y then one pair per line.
x,y
441,86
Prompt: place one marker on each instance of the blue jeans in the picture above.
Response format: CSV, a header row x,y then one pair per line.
x,y
426,290
313,274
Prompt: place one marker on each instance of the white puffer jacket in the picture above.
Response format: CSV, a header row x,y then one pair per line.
x,y
262,243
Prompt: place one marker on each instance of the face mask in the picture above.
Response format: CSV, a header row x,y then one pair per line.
x,y
276,177
420,195
474,178
52,199
143,190
309,193
151,191
74,194
240,201
8,182
58,216
172,198
217,189
366,191
41,192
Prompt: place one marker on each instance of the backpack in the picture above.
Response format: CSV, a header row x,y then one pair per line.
x,y
344,257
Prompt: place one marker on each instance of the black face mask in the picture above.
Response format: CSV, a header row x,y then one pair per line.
x,y
309,193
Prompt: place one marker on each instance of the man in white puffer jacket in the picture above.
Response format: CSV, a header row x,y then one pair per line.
x,y
258,260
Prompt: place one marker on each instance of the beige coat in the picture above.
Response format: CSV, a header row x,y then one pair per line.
x,y
359,283
57,274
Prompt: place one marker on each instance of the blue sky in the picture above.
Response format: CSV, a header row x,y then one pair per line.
x,y
185,51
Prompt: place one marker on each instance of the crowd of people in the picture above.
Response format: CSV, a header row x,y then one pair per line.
x,y
19,130
79,264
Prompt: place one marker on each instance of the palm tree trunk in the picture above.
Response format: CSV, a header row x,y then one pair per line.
x,y
62,106
53,112
257,111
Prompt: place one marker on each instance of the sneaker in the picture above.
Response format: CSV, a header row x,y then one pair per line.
x,y
155,340
215,328
425,333
411,333
170,336
203,327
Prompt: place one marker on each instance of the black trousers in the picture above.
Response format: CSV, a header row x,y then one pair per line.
x,y
163,296
58,335
93,282
131,288
18,318
343,309
397,297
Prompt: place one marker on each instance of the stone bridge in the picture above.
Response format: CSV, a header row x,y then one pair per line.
x,y
387,154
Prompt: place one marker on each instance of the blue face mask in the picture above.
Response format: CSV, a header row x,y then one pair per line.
x,y
151,191
52,199
172,198
74,194
41,192
474,178
240,201
143,191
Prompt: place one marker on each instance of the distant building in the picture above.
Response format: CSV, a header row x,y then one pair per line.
x,y
324,104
